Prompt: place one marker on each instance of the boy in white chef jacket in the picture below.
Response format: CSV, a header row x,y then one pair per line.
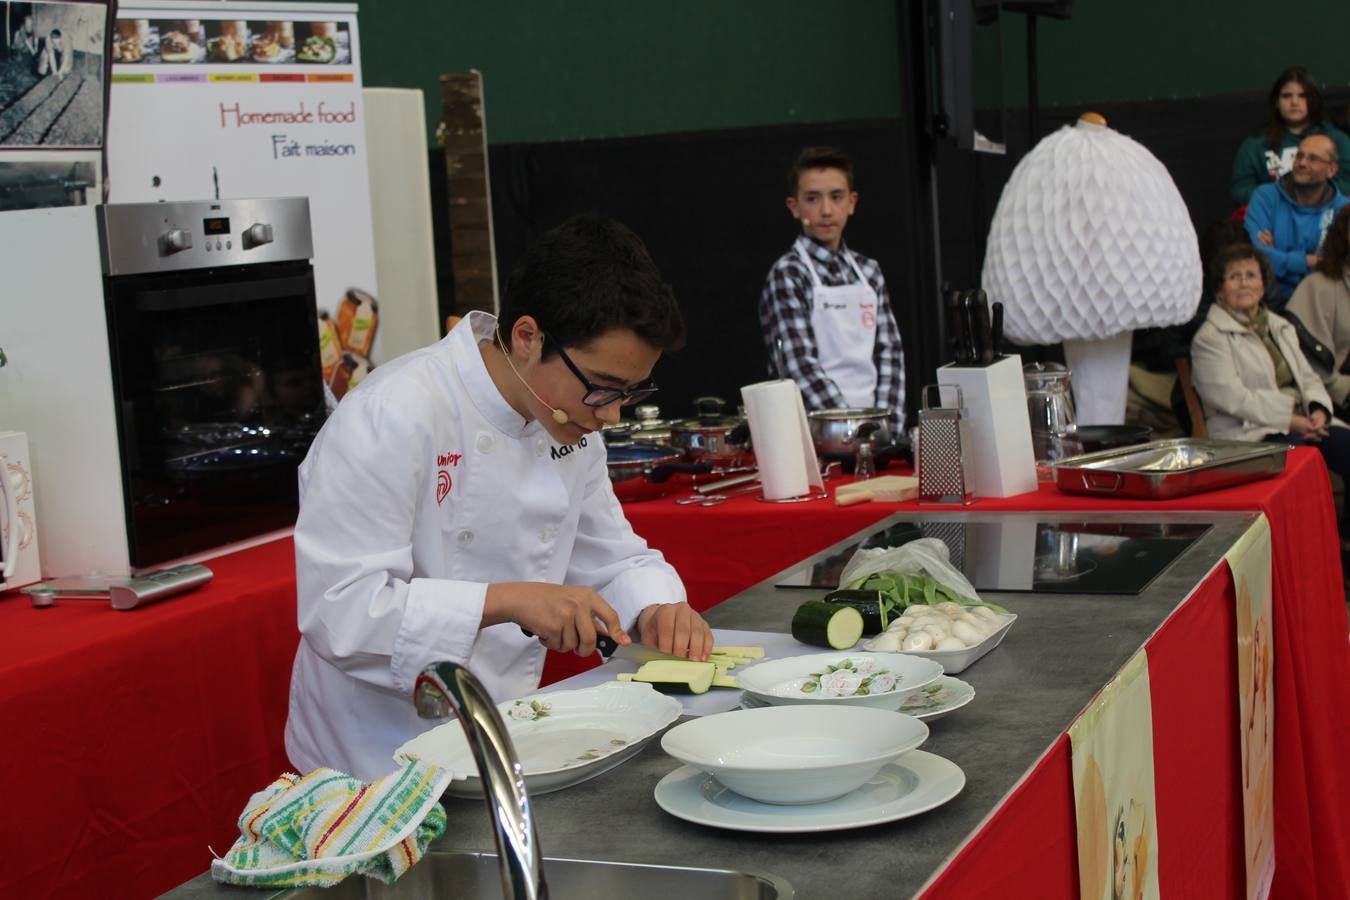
x,y
460,496
824,310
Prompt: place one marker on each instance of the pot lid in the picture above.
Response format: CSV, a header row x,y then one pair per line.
x,y
710,417
857,412
641,452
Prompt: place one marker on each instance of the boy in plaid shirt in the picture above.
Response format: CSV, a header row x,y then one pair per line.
x,y
824,310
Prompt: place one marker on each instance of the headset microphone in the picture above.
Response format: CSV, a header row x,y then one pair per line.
x,y
806,222
559,415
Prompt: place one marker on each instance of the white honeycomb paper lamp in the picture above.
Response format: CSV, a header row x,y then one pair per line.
x,y
1090,241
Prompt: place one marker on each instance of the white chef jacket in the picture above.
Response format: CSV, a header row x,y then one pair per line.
x,y
423,488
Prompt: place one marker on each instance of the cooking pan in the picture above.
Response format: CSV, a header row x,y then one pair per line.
x,y
711,436
641,471
835,434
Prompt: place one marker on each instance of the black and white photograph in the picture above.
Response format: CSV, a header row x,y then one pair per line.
x,y
51,74
42,179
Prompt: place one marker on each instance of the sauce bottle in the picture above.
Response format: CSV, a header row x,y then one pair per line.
x,y
330,345
358,317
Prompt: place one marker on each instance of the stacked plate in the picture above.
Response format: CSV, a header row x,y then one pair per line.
x,y
845,678
803,767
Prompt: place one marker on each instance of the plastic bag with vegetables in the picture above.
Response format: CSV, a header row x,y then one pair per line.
x,y
918,572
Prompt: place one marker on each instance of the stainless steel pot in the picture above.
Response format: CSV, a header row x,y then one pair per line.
x,y
641,471
713,437
834,430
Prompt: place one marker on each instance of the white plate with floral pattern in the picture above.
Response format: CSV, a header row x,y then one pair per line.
x,y
561,739
913,784
880,680
928,703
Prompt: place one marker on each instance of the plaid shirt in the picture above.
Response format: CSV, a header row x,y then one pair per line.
x,y
785,319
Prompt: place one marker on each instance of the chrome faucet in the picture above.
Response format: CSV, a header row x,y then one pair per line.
x,y
448,687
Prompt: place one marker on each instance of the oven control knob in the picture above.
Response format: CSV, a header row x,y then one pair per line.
x,y
257,235
175,240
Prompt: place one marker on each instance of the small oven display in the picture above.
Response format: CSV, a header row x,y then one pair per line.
x,y
220,225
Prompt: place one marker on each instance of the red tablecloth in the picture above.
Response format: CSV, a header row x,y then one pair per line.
x,y
135,738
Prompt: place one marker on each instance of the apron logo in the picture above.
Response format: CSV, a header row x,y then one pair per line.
x,y
560,452
443,480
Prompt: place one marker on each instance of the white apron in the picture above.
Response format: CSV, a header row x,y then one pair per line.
x,y
844,321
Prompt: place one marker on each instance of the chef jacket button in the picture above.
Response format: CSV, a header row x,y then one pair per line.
x,y
465,537
485,443
540,447
549,533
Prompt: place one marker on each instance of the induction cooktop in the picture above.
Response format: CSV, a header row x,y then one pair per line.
x,y
1015,554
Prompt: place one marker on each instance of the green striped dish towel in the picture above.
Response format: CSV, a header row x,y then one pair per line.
x,y
318,829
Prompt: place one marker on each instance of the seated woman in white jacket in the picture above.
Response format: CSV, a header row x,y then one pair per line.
x,y
460,496
1252,378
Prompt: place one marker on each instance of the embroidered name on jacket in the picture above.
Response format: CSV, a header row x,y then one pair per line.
x,y
560,452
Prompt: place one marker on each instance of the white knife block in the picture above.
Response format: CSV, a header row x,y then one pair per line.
x,y
1001,460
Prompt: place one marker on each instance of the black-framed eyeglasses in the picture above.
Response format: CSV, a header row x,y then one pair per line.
x,y
598,395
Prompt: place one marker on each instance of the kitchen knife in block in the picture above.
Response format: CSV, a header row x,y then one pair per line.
x,y
886,489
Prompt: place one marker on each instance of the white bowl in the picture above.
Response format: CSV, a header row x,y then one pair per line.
x,y
794,754
797,679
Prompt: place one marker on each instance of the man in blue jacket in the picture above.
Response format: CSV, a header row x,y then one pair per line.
x,y
1288,218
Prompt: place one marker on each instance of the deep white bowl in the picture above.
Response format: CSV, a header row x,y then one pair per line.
x,y
795,754
783,682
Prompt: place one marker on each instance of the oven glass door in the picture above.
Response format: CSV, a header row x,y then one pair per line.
x,y
219,393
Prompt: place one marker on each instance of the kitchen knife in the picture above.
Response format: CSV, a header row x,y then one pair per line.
x,y
605,644
955,330
996,330
970,318
983,331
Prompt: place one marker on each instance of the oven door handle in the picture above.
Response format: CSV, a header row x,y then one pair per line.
x,y
166,300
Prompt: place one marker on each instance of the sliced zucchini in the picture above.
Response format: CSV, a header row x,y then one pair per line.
x,y
747,652
827,625
871,604
725,681
677,676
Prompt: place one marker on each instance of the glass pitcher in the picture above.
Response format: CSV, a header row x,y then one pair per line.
x,y
1054,428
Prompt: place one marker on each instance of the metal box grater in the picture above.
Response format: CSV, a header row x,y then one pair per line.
x,y
944,437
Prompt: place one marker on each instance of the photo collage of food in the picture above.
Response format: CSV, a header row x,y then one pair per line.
x,y
224,41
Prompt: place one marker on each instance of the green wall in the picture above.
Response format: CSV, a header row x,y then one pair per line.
x,y
558,70
617,68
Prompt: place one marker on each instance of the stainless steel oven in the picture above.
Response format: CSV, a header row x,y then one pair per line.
x,y
213,340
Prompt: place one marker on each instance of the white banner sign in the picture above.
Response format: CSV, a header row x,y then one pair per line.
x,y
236,100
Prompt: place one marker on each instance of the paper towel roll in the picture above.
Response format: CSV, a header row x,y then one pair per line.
x,y
781,438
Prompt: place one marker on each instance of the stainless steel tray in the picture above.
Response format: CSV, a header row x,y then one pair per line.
x,y
1165,469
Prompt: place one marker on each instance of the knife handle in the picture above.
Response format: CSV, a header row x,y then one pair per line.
x,y
603,642
983,332
970,318
952,308
996,329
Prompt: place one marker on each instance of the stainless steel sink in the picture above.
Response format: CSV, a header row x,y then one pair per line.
x,y
452,875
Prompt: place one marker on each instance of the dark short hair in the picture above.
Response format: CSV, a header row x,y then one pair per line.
x,y
1238,253
588,276
1335,262
819,158
1312,94
56,32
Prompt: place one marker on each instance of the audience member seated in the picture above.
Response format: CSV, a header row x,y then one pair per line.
x,y
1252,377
1288,218
1154,397
1296,111
1322,301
